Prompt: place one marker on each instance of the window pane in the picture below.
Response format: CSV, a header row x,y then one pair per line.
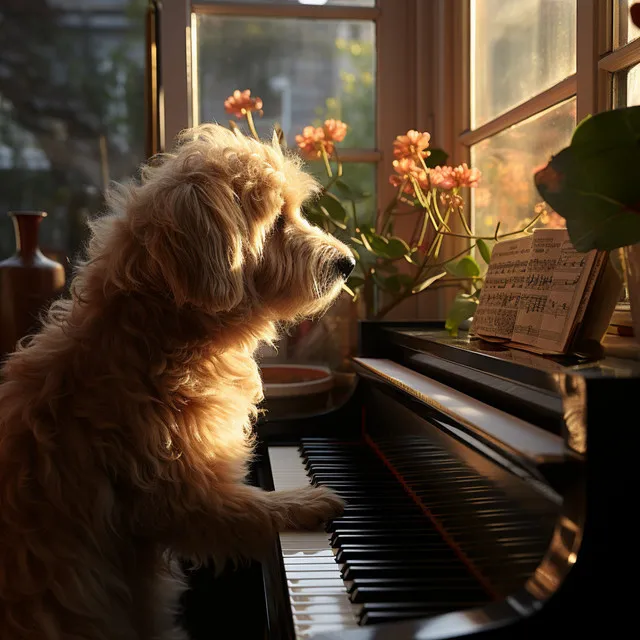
x,y
519,48
71,112
334,3
304,71
508,160
627,31
628,87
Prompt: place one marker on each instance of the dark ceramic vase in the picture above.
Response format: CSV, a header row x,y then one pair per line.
x,y
29,281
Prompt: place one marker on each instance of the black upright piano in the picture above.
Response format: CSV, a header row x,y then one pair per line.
x,y
490,493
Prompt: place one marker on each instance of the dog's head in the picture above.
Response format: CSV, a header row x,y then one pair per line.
x,y
217,226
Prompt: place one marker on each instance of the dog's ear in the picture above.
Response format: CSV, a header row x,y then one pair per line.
x,y
194,235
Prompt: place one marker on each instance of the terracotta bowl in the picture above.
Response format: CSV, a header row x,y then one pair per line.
x,y
294,381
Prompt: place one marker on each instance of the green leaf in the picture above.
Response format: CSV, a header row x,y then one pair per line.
x,y
333,206
355,282
463,308
466,267
437,158
338,224
397,247
594,183
350,193
485,250
428,282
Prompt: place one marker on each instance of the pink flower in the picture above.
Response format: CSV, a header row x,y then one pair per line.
x,y
442,178
411,145
447,178
335,130
312,141
466,177
241,103
405,168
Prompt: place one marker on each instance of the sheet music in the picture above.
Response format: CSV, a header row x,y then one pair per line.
x,y
552,291
500,295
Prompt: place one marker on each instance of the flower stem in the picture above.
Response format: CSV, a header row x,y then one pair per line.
x,y
325,157
252,126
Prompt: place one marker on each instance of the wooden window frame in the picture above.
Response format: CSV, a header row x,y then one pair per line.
x,y
402,99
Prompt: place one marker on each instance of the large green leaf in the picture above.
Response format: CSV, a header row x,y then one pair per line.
x,y
594,183
466,267
597,193
437,158
608,130
463,308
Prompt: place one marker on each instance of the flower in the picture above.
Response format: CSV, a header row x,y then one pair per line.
x,y
241,103
447,178
334,130
451,199
442,178
405,168
312,141
412,144
466,177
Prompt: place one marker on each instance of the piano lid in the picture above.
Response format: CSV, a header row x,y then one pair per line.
x,y
526,385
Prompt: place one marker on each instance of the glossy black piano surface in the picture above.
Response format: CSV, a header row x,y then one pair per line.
x,y
474,506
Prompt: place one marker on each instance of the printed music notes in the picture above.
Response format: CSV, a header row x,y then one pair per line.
x,y
533,291
496,313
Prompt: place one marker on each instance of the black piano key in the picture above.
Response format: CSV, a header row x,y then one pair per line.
x,y
443,571
398,538
438,589
406,593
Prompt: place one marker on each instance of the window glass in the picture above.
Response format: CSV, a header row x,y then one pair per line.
x,y
303,70
71,112
519,48
508,161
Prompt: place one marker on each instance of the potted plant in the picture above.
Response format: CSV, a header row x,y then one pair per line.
x,y
390,267
594,184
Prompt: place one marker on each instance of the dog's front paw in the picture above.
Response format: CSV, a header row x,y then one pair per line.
x,y
314,507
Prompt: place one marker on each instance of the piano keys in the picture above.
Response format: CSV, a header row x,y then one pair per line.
x,y
463,516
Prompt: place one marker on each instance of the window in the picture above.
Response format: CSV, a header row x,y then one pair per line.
x,y
535,68
522,80
355,60
71,112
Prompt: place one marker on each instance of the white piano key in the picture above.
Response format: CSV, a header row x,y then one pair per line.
x,y
319,601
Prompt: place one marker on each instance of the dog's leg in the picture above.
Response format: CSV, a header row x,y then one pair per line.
x,y
241,521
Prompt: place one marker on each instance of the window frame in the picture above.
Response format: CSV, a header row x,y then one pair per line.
x,y
404,100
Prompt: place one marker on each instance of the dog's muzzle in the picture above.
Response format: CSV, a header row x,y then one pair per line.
x,y
344,266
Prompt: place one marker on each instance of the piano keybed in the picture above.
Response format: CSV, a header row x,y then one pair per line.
x,y
422,534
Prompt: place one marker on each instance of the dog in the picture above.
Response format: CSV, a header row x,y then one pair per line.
x,y
126,422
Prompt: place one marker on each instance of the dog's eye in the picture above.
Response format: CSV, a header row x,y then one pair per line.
x,y
280,223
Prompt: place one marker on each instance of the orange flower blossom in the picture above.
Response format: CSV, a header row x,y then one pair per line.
x,y
241,103
334,130
314,139
412,144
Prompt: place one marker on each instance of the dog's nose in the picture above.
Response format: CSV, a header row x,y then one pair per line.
x,y
345,265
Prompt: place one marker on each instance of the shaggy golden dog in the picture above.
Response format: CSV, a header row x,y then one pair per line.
x,y
125,422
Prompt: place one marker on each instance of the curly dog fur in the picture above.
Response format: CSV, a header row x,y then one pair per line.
x,y
125,423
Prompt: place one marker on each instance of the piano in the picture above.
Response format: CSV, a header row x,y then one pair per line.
x,y
490,494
